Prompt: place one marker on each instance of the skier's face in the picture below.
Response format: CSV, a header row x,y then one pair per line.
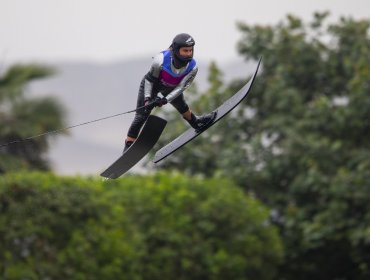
x,y
186,51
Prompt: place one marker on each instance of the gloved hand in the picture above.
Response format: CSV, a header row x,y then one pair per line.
x,y
149,104
160,101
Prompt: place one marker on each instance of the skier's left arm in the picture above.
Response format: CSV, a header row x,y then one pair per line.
x,y
185,83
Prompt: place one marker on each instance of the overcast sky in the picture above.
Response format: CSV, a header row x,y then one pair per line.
x,y
112,30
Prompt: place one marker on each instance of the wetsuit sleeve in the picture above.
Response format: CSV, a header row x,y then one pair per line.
x,y
152,76
185,83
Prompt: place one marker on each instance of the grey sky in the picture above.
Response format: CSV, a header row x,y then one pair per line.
x,y
109,30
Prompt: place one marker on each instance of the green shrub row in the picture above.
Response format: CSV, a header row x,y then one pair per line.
x,y
163,226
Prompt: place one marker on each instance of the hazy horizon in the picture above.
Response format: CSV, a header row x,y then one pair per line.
x,y
113,30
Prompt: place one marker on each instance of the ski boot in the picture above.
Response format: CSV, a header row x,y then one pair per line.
x,y
201,122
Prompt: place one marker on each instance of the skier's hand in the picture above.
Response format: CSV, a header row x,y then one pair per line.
x,y
147,101
160,101
149,104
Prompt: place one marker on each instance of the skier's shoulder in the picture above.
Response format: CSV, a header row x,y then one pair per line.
x,y
158,60
162,60
193,64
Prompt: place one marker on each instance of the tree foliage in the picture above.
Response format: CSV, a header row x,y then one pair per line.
x,y
22,117
300,142
160,227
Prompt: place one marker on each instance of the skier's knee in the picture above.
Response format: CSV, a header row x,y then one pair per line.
x,y
136,125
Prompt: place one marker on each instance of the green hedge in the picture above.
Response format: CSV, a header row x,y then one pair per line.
x,y
165,226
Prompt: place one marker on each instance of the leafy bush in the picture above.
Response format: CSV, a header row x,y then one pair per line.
x,y
140,227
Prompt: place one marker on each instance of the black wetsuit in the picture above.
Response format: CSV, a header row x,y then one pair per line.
x,y
163,78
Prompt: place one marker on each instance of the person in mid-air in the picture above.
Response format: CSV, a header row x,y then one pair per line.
x,y
171,73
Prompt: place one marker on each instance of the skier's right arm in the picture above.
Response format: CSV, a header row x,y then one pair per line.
x,y
152,76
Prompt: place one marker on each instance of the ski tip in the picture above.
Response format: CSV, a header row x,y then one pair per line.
x,y
258,64
108,176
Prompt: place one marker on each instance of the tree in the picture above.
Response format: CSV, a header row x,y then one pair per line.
x,y
311,109
22,117
300,144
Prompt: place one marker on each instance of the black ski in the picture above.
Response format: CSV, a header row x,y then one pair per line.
x,y
147,138
221,111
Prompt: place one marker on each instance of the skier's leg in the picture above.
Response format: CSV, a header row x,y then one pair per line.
x,y
195,122
140,118
180,104
183,108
